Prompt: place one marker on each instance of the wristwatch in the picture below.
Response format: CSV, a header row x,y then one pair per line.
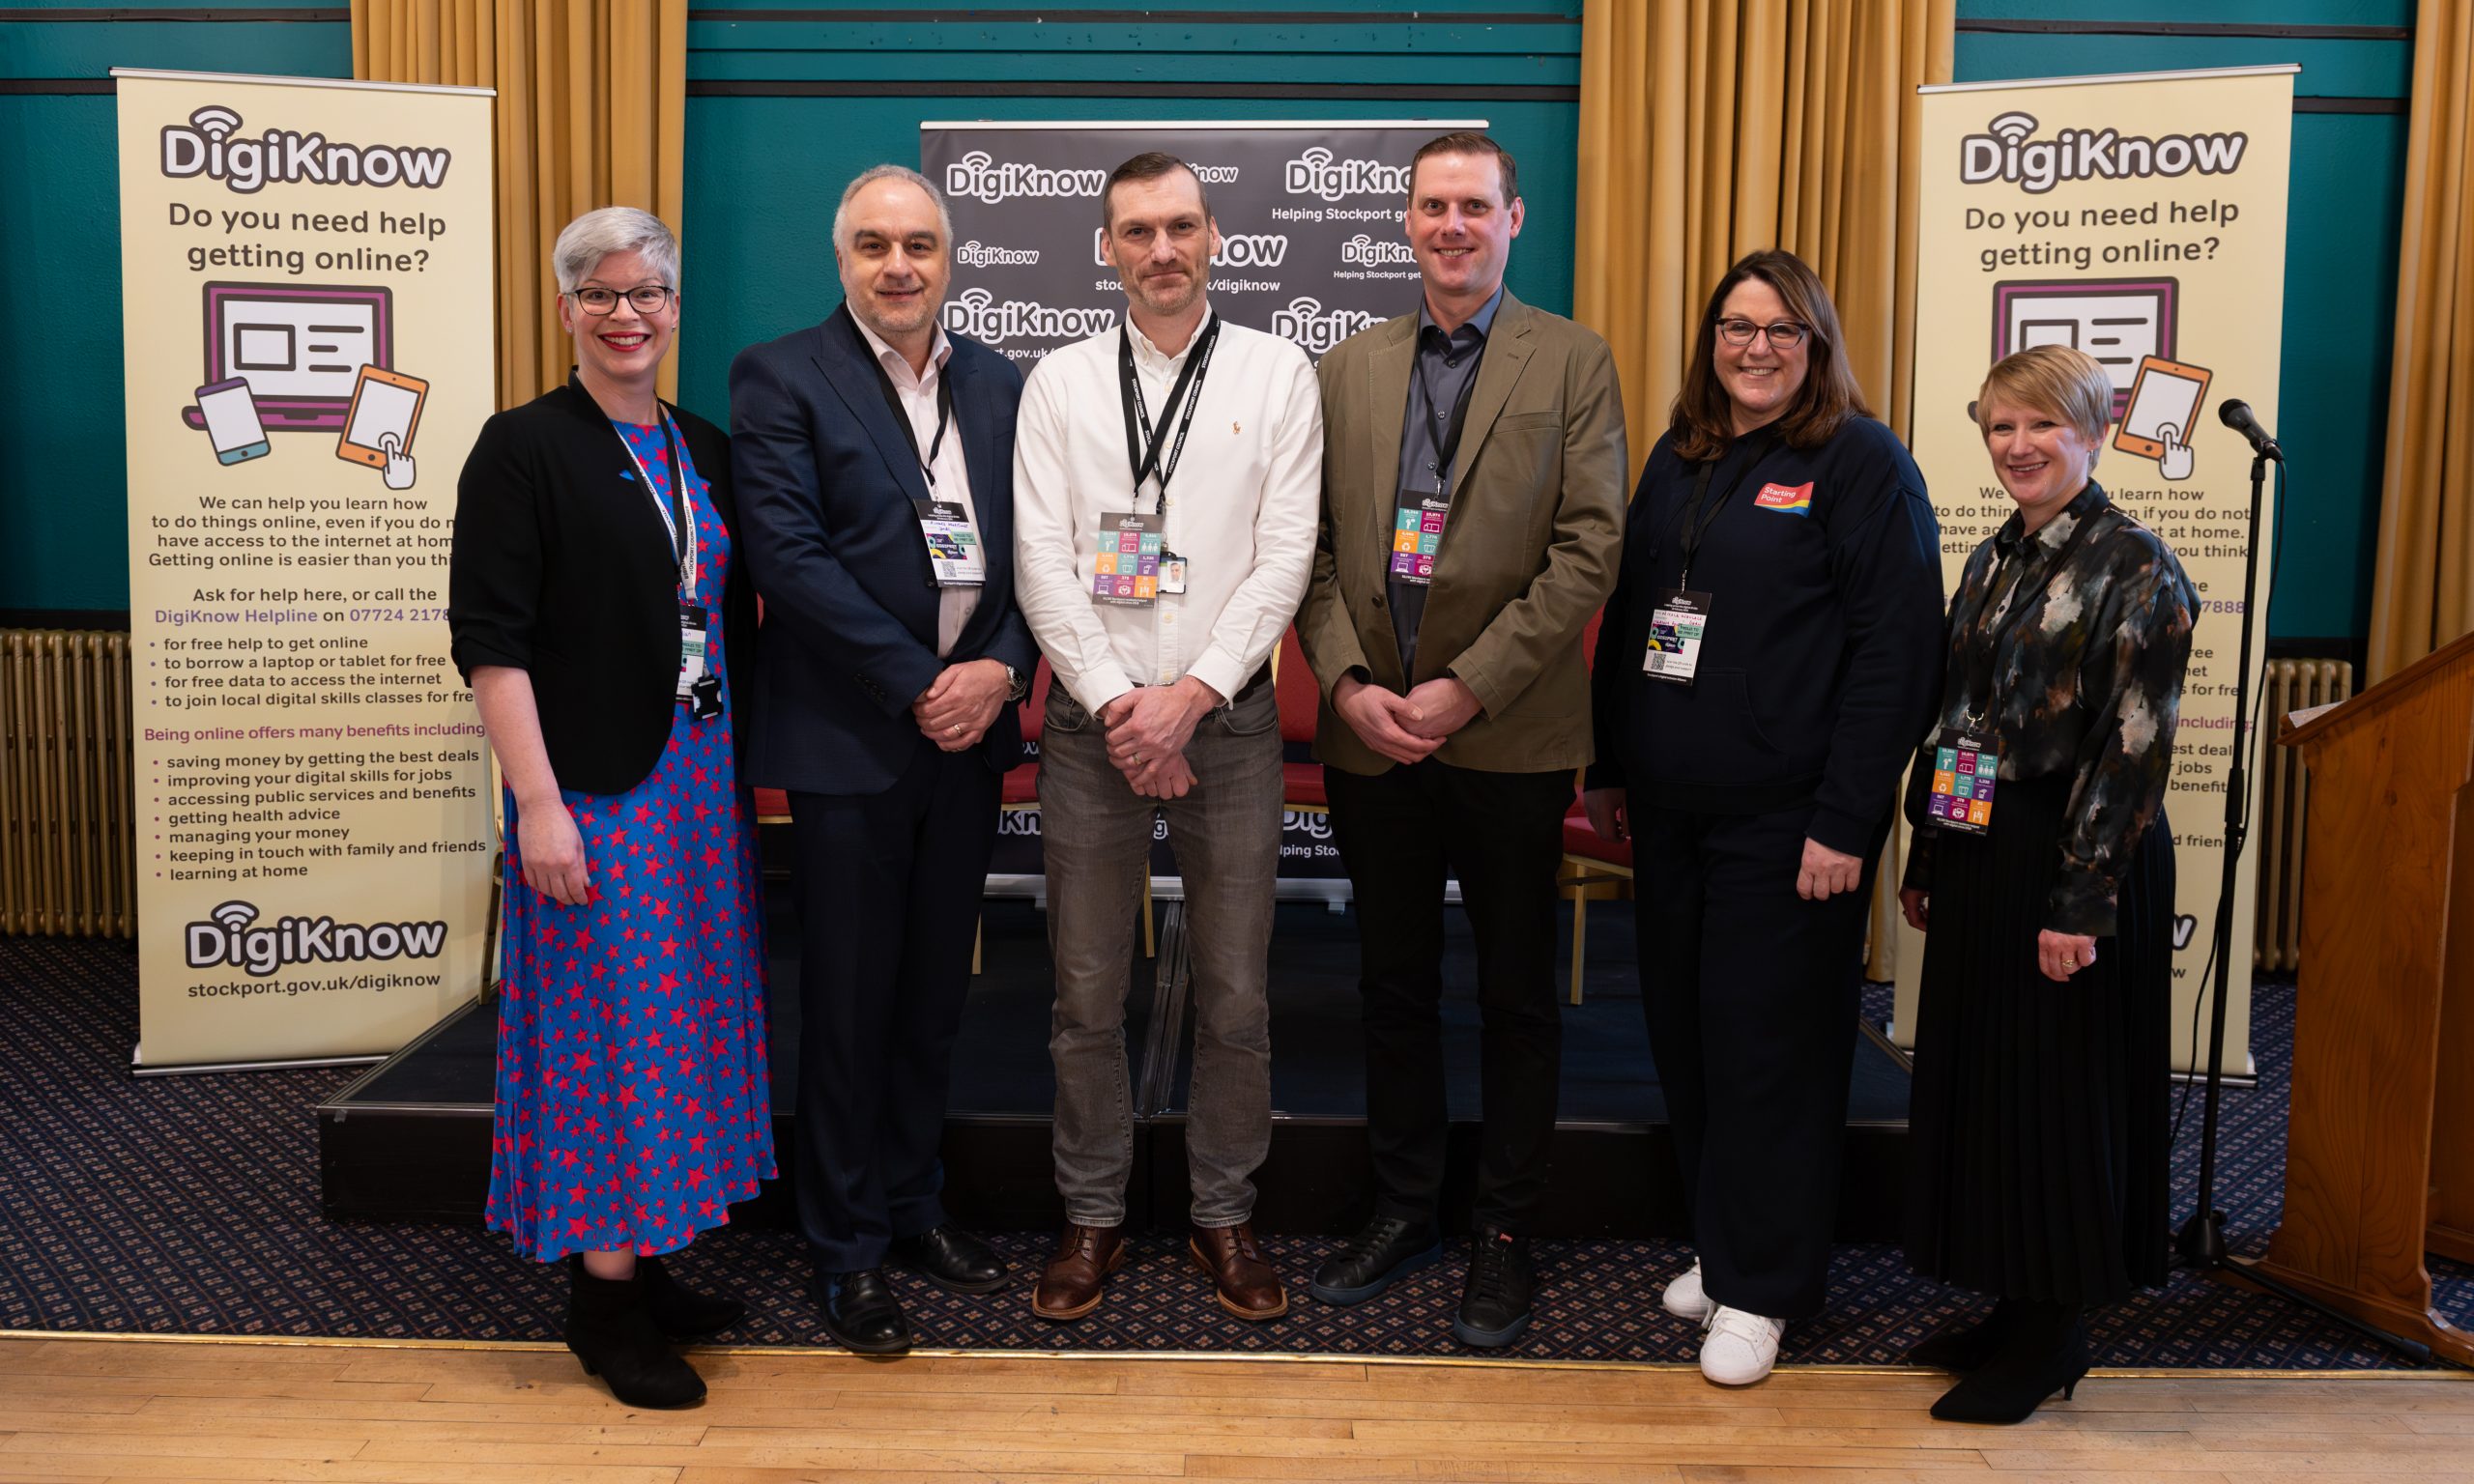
x,y
1018,684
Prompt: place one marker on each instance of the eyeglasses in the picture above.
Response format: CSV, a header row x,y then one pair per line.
x,y
648,297
1785,335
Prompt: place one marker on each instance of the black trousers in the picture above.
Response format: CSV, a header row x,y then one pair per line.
x,y
889,888
1400,834
1751,994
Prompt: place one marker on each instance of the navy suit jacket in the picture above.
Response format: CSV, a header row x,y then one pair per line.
x,y
826,481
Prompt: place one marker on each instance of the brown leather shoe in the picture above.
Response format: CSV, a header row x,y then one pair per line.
x,y
1247,1285
1069,1286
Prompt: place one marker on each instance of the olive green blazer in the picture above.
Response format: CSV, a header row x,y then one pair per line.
x,y
1529,553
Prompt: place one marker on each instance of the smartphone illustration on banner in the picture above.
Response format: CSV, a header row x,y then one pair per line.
x,y
232,424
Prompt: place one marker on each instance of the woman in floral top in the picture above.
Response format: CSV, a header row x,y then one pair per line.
x,y
2044,869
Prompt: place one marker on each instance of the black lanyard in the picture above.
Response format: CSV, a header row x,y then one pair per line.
x,y
902,416
1984,658
1449,446
1696,525
1141,441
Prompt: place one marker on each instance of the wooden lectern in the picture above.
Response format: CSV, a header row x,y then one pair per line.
x,y
2379,1162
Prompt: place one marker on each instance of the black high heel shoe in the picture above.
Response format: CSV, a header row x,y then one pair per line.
x,y
1969,1348
2045,1352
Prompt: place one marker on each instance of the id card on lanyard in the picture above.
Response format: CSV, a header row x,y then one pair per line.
x,y
1967,759
955,558
1135,566
1421,514
1679,615
698,686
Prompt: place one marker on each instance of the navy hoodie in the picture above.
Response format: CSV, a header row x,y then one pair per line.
x,y
1822,663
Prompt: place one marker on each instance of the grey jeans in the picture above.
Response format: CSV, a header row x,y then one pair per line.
x,y
1095,835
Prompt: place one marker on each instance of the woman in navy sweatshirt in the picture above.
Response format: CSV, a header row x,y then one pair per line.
x,y
1767,665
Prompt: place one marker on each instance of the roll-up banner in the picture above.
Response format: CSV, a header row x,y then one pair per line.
x,y
307,316
2141,218
1313,248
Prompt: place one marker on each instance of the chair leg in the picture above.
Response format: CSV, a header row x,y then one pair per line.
x,y
1149,948
978,934
1580,934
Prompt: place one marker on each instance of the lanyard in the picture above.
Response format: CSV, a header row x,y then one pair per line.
x,y
1143,446
673,512
902,416
1449,446
1696,525
1982,658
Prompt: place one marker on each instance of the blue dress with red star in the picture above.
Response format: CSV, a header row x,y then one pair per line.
x,y
632,1103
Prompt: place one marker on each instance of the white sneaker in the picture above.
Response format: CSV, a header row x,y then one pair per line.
x,y
1683,1297
1740,1347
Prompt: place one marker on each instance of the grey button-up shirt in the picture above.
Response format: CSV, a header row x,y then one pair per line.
x,y
1446,365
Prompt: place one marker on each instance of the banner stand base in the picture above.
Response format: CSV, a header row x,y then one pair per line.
x,y
139,1069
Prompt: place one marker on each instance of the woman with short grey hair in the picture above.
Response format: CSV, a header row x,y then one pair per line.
x,y
600,612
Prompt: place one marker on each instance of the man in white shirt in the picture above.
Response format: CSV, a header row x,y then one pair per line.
x,y
1166,478
874,492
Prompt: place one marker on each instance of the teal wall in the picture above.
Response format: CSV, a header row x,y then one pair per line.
x,y
781,112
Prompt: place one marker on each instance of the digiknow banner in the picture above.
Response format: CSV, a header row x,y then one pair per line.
x,y
1313,248
2141,218
307,315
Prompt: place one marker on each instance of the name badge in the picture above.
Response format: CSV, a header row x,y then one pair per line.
x,y
698,685
1173,574
1417,534
1126,573
1965,765
953,547
1679,622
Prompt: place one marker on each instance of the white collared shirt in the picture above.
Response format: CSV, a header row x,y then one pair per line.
x,y
918,395
1241,509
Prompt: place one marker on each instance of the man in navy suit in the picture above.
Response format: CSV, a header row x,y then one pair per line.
x,y
874,457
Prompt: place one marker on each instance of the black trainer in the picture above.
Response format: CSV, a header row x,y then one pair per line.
x,y
1385,1252
1495,1303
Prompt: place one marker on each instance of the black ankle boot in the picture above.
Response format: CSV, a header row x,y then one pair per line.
x,y
2044,1352
1965,1348
611,1330
680,1312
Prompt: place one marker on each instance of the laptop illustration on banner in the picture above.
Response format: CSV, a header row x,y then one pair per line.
x,y
301,348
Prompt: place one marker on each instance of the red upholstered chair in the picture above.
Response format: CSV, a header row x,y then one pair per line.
x,y
1299,697
1590,863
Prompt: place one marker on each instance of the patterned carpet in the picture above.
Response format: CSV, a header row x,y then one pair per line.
x,y
188,1205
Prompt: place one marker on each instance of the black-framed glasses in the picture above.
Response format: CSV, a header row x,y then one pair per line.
x,y
648,297
1785,335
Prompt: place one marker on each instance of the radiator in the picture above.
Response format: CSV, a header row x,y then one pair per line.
x,y
2284,807
67,827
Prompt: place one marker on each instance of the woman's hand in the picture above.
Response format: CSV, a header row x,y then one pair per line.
x,y
1608,811
1915,905
553,863
1827,872
2060,954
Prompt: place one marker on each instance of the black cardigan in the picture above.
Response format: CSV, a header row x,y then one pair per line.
x,y
562,568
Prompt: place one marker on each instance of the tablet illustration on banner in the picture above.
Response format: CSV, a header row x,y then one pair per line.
x,y
385,411
2164,398
231,418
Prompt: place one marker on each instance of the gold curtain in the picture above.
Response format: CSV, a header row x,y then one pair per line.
x,y
591,104
2423,594
1712,127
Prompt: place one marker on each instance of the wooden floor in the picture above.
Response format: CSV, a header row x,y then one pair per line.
x,y
116,1409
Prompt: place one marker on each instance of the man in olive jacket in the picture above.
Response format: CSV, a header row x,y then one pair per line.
x,y
1473,514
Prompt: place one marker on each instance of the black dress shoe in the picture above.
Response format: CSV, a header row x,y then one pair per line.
x,y
1385,1252
1495,1302
2045,1351
612,1331
681,1312
952,1259
861,1313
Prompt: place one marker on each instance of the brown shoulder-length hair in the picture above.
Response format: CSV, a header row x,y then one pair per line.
x,y
1703,420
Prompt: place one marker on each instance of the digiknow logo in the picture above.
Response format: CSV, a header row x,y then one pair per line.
x,y
977,254
978,176
992,321
211,145
227,936
1246,250
1316,328
1316,173
1367,252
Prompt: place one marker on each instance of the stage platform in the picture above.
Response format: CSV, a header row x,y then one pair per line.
x,y
408,1140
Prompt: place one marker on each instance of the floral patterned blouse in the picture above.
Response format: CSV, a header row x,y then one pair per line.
x,y
2088,681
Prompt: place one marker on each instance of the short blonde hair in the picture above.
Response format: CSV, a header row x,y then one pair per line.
x,y
2069,383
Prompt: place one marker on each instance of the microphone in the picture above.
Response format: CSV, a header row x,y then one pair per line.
x,y
2236,414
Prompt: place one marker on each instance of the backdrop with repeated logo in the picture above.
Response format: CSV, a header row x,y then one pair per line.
x,y
1312,249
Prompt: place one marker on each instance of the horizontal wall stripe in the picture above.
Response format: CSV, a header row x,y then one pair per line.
x,y
2206,28
41,86
1088,16
857,87
2351,104
331,15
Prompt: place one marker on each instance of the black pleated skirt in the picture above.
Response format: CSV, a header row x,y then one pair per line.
x,y
2038,1126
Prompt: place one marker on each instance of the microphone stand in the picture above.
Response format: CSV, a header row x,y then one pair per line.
x,y
2201,1240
